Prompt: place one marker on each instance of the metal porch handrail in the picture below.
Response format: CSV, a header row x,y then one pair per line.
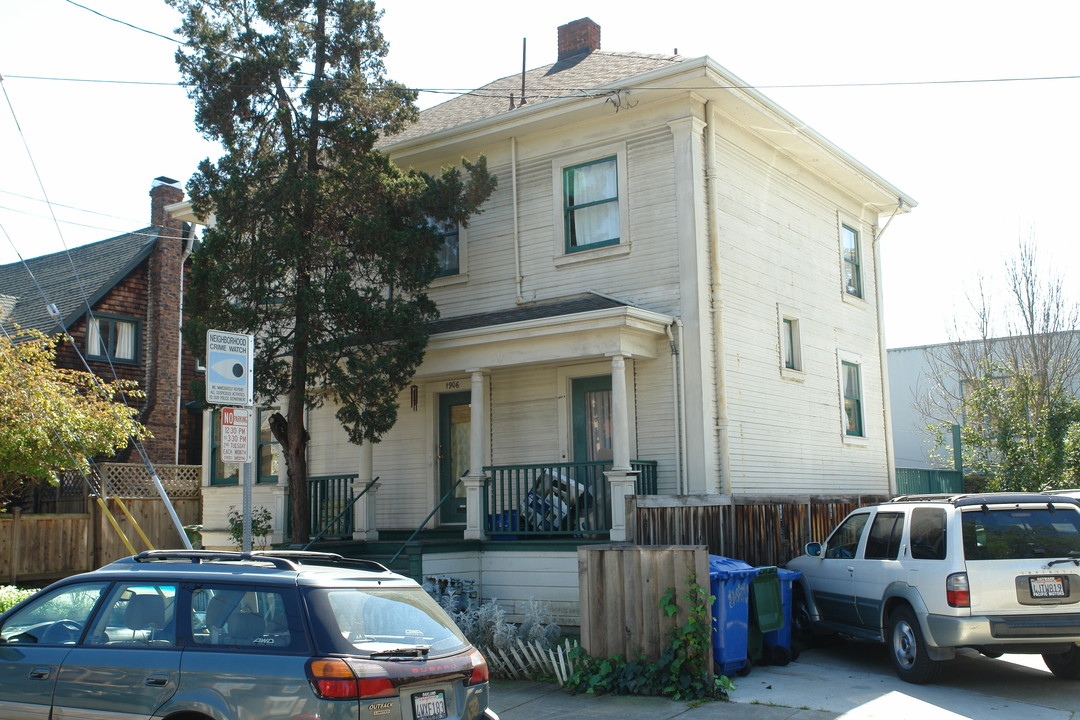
x,y
346,509
430,515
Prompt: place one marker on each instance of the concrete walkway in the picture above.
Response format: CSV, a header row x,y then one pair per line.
x,y
850,681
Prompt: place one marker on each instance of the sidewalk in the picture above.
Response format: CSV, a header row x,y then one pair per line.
x,y
525,700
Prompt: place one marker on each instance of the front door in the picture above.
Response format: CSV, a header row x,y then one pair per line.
x,y
455,422
591,410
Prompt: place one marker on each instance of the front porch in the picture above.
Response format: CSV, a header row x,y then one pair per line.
x,y
546,502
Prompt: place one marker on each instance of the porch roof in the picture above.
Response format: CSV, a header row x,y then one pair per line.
x,y
587,326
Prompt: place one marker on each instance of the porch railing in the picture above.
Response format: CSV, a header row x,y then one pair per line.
x,y
328,495
555,499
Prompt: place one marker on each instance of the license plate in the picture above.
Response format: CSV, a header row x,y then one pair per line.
x,y
1048,586
430,705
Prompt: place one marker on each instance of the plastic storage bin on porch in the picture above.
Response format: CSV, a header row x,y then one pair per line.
x,y
782,650
729,583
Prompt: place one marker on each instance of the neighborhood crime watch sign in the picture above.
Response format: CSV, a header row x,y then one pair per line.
x,y
229,359
235,435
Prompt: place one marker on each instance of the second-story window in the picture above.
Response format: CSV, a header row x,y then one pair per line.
x,y
591,204
112,338
450,250
849,239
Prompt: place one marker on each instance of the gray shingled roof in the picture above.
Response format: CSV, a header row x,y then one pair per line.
x,y
100,266
555,308
568,77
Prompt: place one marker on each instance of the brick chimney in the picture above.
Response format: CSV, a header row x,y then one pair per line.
x,y
162,336
578,37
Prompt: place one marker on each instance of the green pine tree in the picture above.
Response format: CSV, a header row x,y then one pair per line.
x,y
322,247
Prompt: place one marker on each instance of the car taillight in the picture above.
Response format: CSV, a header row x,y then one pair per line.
x,y
334,680
957,591
479,672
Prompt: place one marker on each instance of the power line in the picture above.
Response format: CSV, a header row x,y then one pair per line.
x,y
547,92
68,207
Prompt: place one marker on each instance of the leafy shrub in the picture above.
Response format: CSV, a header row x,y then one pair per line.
x,y
261,527
679,673
486,626
10,596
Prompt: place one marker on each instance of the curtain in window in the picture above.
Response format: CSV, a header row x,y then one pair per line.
x,y
93,337
598,425
852,399
595,183
125,341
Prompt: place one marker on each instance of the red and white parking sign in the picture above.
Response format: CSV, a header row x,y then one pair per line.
x,y
235,435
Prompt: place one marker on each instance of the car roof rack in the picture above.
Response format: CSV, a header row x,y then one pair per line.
x,y
200,556
1004,498
325,559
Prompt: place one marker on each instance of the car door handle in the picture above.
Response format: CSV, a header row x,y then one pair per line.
x,y
40,673
851,568
157,680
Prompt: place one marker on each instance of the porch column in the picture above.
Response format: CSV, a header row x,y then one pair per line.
x,y
364,526
474,480
621,479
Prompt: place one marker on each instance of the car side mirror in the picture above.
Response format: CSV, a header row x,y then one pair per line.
x,y
813,549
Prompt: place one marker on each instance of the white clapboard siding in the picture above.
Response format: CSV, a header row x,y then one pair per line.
x,y
514,578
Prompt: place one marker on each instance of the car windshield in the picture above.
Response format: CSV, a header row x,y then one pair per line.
x,y
384,623
1010,534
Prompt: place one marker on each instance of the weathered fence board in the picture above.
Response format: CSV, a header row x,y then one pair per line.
x,y
620,588
761,530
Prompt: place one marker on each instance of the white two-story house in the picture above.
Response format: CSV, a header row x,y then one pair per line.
x,y
674,290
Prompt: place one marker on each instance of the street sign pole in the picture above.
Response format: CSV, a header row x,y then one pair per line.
x,y
229,365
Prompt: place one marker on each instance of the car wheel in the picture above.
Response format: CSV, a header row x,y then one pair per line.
x,y
1065,665
907,649
802,625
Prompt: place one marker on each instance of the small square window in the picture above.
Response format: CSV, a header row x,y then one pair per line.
x,y
591,204
852,257
112,338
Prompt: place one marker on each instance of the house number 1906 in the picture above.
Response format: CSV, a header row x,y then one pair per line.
x,y
453,385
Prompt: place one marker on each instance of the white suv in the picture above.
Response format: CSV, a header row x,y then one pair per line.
x,y
998,572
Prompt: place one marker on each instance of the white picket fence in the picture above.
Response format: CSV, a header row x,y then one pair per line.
x,y
529,661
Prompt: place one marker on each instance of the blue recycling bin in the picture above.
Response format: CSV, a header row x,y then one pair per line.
x,y
729,584
779,641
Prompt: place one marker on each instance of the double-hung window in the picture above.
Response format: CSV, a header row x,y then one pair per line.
x,y
851,379
112,338
591,204
852,256
449,257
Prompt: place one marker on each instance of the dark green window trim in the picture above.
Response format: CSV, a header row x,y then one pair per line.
x,y
852,389
109,331
573,207
852,261
264,453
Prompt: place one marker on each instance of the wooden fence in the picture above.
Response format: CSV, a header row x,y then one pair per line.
x,y
760,530
620,588
37,548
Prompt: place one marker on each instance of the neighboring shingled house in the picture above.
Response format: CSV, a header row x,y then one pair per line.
x,y
133,283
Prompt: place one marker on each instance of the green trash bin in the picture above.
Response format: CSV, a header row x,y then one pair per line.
x,y
766,611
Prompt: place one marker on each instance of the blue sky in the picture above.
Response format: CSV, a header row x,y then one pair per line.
x,y
989,162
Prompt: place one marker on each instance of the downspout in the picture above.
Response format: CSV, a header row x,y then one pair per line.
x,y
886,405
676,407
188,247
720,362
520,300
